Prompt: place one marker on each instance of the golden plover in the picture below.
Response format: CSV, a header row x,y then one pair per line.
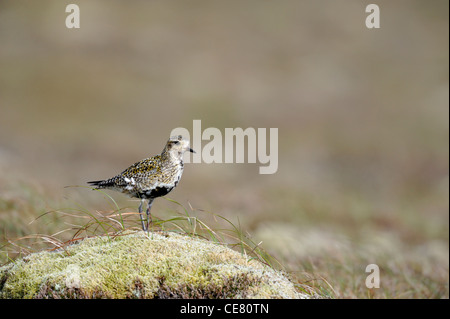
x,y
152,177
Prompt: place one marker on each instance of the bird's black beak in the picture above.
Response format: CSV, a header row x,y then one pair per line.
x,y
192,151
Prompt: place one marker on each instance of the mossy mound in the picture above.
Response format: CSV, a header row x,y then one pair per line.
x,y
137,265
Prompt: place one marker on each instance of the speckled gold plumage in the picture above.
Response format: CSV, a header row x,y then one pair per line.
x,y
151,177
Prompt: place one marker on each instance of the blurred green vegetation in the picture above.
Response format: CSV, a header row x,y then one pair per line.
x,y
362,117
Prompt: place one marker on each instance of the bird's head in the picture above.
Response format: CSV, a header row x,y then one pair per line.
x,y
176,146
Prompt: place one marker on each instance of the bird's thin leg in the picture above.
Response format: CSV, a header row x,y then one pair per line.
x,y
149,216
142,216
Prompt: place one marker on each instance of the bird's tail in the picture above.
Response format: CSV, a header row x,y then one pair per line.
x,y
100,183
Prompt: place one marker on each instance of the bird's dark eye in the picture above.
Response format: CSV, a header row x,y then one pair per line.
x,y
176,142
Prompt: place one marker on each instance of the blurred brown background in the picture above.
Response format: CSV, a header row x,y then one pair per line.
x,y
362,117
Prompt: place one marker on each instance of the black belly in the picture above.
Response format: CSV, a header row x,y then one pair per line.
x,y
155,192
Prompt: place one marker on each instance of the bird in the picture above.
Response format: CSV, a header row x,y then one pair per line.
x,y
151,177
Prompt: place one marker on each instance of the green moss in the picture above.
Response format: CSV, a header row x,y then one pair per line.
x,y
137,265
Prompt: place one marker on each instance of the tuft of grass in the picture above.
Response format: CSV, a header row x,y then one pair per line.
x,y
141,265
81,223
